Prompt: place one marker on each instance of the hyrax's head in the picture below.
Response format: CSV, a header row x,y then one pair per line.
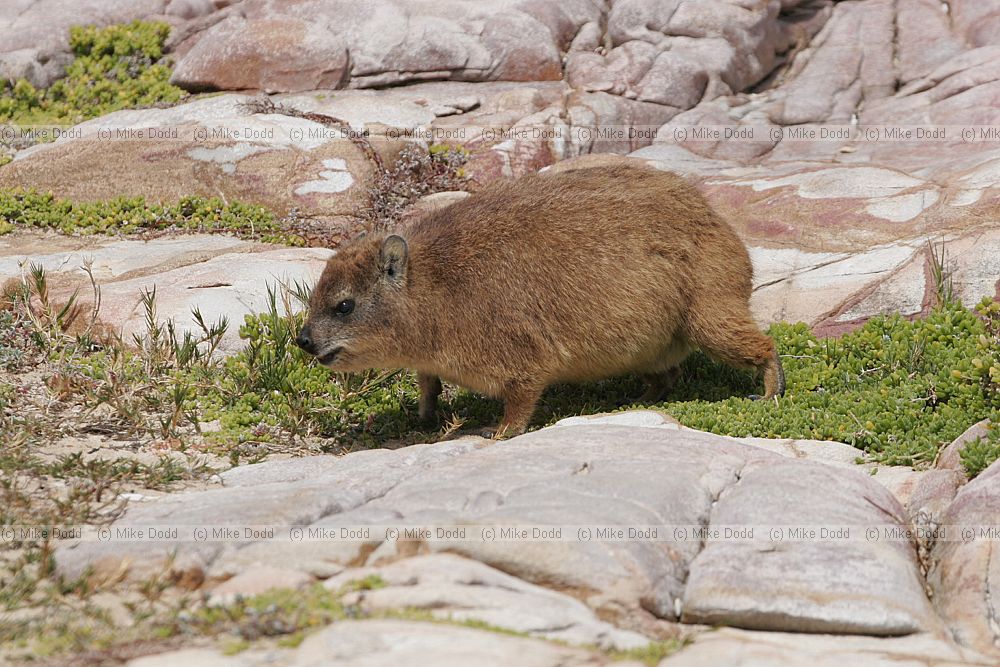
x,y
355,307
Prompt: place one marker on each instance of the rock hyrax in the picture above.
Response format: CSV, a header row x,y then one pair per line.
x,y
562,277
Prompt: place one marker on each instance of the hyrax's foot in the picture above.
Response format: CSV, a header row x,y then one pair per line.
x,y
658,384
519,402
739,343
499,433
774,377
774,380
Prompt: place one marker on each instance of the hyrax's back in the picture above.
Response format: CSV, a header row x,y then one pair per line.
x,y
586,274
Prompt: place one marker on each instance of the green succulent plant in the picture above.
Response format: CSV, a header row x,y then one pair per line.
x,y
115,67
124,215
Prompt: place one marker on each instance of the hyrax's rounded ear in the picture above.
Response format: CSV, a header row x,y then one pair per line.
x,y
393,256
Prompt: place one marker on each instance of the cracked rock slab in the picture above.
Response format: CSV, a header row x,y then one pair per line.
x,y
230,285
965,570
110,259
389,643
460,589
810,585
729,646
594,474
219,275
293,492
375,643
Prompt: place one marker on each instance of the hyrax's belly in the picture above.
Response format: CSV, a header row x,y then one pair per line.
x,y
648,354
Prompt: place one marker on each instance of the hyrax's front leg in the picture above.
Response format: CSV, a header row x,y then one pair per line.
x,y
519,402
430,389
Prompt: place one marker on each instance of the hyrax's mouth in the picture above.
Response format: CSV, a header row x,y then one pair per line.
x,y
329,357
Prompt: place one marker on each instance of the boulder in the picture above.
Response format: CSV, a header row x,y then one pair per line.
x,y
950,458
300,55
39,30
256,580
677,54
403,41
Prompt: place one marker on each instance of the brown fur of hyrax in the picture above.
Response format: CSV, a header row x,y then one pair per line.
x,y
551,278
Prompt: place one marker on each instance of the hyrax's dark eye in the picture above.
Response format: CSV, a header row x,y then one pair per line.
x,y
344,307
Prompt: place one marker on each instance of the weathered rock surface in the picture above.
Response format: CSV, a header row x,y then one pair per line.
x,y
964,570
374,643
826,266
391,642
222,276
597,474
301,55
208,147
730,646
323,485
396,42
459,589
109,259
678,54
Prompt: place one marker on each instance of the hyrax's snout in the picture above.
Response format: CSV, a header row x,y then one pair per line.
x,y
305,341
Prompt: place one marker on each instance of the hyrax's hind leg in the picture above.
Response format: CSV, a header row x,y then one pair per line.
x,y
658,384
726,331
430,389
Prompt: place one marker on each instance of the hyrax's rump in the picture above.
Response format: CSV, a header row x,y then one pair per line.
x,y
553,277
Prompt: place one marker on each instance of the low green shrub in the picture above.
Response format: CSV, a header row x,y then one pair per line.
x,y
125,215
116,67
272,390
896,389
984,369
979,454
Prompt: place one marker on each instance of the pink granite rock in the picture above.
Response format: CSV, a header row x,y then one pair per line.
x,y
965,570
299,56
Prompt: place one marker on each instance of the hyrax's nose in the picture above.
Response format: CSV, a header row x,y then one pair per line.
x,y
305,341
